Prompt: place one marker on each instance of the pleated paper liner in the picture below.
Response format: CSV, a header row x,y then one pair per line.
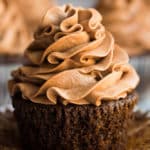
x,y
138,134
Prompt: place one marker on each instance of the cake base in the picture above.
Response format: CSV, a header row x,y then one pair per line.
x,y
73,127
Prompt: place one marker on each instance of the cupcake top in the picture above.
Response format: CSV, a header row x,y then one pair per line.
x,y
36,8
129,22
73,59
14,34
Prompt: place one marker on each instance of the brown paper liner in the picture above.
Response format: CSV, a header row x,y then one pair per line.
x,y
138,133
82,127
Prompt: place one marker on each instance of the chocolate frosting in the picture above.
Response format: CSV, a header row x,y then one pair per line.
x,y
14,34
73,59
129,22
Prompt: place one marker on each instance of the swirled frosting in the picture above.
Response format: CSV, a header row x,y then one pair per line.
x,y
129,22
14,34
73,59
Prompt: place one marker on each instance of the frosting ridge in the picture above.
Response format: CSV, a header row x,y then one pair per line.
x,y
73,59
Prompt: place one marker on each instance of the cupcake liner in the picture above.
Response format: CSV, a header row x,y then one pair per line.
x,y
138,133
142,65
71,127
140,127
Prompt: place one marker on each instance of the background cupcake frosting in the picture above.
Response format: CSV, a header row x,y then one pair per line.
x,y
14,33
33,10
129,23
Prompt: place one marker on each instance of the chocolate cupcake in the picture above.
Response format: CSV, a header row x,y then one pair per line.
x,y
77,89
130,24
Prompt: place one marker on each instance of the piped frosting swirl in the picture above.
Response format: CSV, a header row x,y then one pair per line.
x,y
129,22
73,59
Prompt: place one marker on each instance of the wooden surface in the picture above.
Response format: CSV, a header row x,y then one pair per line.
x,y
138,135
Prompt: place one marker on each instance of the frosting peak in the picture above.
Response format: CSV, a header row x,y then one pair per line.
x,y
73,59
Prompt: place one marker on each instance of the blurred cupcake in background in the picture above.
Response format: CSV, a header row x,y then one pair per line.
x,y
18,18
34,10
14,33
129,22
